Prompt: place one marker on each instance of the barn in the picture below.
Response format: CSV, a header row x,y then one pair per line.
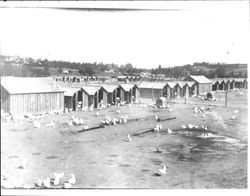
x,y
202,84
34,95
168,90
90,96
151,90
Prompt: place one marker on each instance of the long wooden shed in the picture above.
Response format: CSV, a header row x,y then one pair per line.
x,y
34,95
202,84
151,90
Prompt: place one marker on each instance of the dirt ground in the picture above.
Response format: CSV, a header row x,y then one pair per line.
x,y
103,158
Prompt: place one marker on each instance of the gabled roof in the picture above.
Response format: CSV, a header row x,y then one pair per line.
x,y
200,79
215,80
189,84
91,90
239,79
24,85
70,91
180,83
171,84
109,88
127,87
154,85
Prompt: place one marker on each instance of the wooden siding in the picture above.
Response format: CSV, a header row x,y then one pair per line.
x,y
85,99
215,86
36,103
203,88
151,93
136,93
169,92
5,100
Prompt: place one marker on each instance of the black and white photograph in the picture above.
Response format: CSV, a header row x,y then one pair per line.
x,y
124,95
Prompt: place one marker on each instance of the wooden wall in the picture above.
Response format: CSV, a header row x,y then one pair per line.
x,y
36,103
151,93
5,100
203,88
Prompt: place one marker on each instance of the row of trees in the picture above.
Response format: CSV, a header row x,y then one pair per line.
x,y
18,66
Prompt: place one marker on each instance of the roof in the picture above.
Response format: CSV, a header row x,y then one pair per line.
x,y
171,84
181,83
91,90
239,79
69,91
200,79
109,88
190,84
154,85
127,87
121,77
215,80
24,85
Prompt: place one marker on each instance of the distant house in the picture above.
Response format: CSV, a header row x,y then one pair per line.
x,y
151,90
122,79
202,84
65,71
35,95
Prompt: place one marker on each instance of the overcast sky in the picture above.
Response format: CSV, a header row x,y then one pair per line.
x,y
199,31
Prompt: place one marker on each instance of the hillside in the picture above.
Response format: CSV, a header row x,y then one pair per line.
x,y
17,66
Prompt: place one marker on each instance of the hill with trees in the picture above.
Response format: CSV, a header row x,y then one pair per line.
x,y
27,67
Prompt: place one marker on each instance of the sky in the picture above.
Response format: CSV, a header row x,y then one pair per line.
x,y
185,33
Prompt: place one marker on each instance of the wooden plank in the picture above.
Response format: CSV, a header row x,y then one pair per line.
x,y
91,128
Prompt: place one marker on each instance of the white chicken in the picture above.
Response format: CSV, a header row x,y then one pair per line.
x,y
163,170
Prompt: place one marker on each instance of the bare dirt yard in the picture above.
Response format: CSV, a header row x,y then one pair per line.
x,y
103,158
